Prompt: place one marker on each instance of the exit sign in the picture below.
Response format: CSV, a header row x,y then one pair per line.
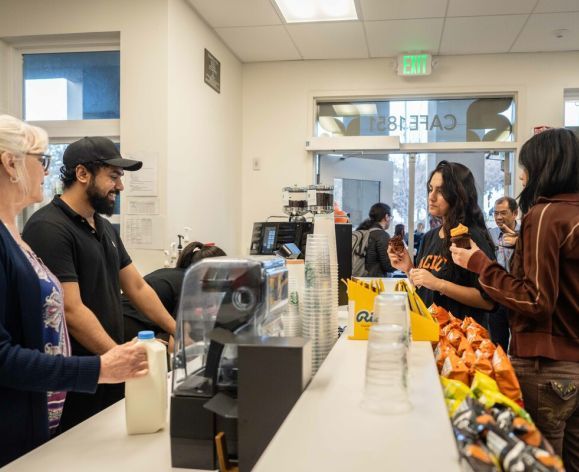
x,y
414,64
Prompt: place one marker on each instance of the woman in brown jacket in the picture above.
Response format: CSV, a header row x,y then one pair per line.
x,y
542,290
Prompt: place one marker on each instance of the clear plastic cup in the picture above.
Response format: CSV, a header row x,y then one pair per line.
x,y
386,384
392,308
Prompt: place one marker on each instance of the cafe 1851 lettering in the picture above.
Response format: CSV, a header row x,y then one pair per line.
x,y
412,123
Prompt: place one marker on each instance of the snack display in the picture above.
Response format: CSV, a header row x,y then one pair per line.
x,y
484,400
460,236
397,244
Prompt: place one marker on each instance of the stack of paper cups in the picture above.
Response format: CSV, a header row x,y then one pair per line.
x,y
324,224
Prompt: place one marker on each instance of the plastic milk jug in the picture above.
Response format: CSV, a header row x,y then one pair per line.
x,y
146,397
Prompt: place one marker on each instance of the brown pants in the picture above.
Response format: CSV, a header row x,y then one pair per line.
x,y
550,395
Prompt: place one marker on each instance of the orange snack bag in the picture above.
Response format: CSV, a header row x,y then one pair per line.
x,y
463,346
487,347
454,368
469,324
483,364
469,358
454,337
505,375
474,339
441,352
440,314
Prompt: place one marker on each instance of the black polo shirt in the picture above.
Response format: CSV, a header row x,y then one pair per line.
x,y
76,252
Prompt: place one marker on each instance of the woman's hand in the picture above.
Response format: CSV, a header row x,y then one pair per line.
x,y
510,236
123,362
424,278
461,256
400,261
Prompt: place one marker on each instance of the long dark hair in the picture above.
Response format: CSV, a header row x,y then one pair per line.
x,y
551,159
377,213
459,191
196,251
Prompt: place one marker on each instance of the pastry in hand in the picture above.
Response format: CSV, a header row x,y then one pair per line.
x,y
397,244
460,236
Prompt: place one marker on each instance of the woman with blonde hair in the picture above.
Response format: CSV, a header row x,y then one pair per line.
x,y
36,369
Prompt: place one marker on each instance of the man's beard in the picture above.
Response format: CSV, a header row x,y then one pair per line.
x,y
101,205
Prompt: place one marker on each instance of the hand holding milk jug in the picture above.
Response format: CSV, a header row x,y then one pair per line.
x,y
146,397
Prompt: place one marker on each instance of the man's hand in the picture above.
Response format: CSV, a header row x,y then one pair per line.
x,y
510,236
461,256
123,362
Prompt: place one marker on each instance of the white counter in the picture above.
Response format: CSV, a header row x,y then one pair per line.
x,y
328,431
325,431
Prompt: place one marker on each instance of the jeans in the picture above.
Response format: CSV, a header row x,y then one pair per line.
x,y
550,395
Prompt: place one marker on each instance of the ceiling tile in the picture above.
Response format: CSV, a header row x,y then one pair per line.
x,y
336,40
481,34
555,6
260,43
539,33
226,13
393,37
402,9
490,7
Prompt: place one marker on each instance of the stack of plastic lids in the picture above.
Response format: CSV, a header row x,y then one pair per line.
x,y
318,323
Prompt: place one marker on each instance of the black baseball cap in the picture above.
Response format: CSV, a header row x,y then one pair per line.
x,y
97,149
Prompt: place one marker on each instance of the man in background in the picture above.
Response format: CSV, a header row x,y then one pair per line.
x,y
505,237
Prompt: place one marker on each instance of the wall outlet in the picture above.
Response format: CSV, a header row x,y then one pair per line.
x,y
256,163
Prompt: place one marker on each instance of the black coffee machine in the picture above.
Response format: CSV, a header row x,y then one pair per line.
x,y
233,373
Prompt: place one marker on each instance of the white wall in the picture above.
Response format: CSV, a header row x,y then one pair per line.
x,y
166,108
278,107
204,130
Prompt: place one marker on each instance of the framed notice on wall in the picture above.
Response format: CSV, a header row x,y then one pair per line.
x,y
212,71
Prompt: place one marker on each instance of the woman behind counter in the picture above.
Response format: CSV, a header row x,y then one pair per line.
x,y
452,196
541,291
35,367
167,285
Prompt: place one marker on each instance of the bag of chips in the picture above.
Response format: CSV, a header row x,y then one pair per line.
x,y
463,346
469,324
454,368
443,349
487,347
482,363
439,314
454,337
505,375
454,393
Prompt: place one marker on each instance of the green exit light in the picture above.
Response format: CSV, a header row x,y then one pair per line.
x,y
414,64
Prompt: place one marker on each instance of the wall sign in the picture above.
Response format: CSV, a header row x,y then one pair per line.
x,y
414,64
212,71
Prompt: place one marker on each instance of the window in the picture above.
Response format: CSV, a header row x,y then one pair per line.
x,y
572,110
71,86
486,119
71,91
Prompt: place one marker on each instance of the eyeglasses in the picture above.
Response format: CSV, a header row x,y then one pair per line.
x,y
44,159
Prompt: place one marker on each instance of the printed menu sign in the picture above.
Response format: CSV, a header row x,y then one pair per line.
x,y
212,71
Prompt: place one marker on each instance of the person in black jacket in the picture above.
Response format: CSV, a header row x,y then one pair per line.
x,y
379,218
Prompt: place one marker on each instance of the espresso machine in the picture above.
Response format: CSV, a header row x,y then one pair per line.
x,y
269,237
233,373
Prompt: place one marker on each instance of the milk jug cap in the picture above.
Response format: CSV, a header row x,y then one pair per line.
x,y
146,335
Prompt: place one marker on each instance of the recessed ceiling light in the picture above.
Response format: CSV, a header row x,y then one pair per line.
x,y
302,11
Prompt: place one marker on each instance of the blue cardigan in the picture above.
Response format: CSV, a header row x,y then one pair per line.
x,y
26,373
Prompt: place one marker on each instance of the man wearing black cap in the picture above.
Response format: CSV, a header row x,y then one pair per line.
x,y
87,255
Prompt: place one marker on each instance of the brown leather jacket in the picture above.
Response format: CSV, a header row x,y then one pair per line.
x,y
542,290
